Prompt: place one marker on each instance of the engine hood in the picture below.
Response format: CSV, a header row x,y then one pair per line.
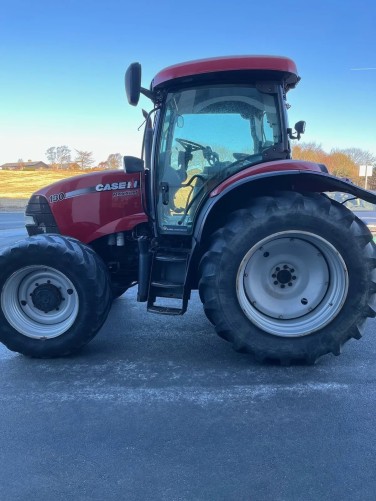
x,y
93,205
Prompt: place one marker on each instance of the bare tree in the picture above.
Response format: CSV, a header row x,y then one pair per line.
x,y
84,158
114,161
59,156
63,156
51,155
359,156
21,164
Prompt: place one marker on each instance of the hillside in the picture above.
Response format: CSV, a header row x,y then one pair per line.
x,y
21,184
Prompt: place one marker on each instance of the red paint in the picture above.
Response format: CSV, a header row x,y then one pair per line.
x,y
233,63
276,166
98,213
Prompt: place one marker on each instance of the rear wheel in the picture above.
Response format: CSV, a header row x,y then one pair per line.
x,y
55,296
289,278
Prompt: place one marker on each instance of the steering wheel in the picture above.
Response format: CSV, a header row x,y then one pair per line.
x,y
211,156
190,145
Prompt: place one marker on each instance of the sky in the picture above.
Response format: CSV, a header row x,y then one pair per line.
x,y
62,66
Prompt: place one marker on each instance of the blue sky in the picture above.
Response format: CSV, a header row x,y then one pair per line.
x,y
62,66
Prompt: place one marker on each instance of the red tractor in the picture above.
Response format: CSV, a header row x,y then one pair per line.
x,y
216,204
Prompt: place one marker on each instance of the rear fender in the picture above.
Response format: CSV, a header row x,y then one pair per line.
x,y
223,200
230,196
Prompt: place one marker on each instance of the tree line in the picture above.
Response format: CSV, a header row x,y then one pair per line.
x,y
60,157
340,162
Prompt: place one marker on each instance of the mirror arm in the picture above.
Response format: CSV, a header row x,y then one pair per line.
x,y
147,93
289,133
291,136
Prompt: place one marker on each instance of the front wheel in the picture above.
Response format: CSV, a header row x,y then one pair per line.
x,y
55,296
289,278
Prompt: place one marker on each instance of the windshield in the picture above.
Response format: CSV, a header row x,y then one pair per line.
x,y
208,134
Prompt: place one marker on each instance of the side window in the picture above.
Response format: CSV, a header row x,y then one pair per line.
x,y
268,130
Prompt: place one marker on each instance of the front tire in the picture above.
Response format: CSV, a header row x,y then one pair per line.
x,y
289,278
55,296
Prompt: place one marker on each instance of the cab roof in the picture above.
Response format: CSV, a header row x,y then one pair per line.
x,y
276,64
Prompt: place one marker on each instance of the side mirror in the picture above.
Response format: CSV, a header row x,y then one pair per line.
x,y
133,165
133,83
300,128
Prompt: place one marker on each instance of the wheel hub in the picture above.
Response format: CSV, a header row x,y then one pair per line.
x,y
283,275
292,283
46,297
40,302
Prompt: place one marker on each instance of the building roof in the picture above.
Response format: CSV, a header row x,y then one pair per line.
x,y
13,165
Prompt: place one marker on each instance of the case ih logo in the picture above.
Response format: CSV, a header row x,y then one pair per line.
x,y
117,186
123,185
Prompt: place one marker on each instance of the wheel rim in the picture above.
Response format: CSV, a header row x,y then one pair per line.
x,y
292,283
39,302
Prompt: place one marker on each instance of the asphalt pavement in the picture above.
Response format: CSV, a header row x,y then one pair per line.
x,y
160,408
12,227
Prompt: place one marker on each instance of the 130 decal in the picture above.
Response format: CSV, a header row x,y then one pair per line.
x,y
57,197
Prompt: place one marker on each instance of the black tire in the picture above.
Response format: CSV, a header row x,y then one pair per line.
x,y
55,296
251,263
116,289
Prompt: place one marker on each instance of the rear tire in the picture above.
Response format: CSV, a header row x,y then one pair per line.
x,y
290,278
55,296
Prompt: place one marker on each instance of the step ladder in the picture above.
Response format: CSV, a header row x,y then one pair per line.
x,y
168,275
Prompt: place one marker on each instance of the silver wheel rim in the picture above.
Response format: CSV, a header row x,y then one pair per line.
x,y
292,283
39,302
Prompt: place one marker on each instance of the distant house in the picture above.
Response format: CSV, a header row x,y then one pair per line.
x,y
24,165
72,166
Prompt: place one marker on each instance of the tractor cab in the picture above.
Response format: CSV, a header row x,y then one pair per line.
x,y
214,118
